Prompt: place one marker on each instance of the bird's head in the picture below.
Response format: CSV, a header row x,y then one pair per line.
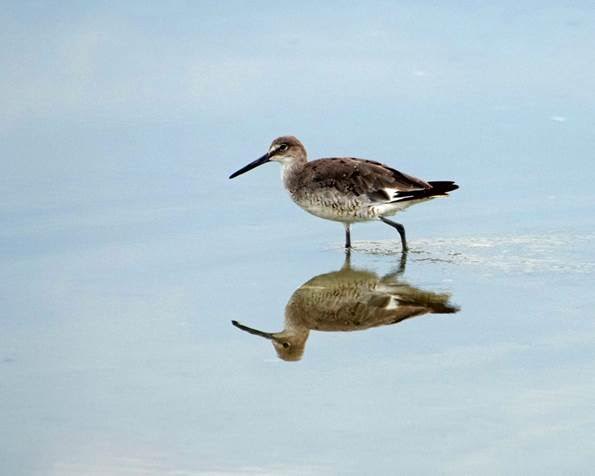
x,y
284,149
288,345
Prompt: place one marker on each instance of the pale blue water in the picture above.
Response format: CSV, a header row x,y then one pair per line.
x,y
126,251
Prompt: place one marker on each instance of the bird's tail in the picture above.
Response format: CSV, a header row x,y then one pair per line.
x,y
442,188
437,189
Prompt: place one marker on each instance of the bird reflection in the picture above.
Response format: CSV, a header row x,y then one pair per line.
x,y
349,299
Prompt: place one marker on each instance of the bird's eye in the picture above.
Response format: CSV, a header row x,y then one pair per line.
x,y
283,147
286,345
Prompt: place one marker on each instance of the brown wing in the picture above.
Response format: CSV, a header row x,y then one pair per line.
x,y
360,177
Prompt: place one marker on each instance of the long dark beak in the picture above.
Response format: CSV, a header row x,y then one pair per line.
x,y
266,335
252,165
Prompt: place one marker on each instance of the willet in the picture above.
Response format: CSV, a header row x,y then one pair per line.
x,y
349,300
346,189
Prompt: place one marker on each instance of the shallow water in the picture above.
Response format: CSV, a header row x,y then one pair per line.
x,y
127,253
128,363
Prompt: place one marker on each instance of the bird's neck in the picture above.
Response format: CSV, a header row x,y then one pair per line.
x,y
289,169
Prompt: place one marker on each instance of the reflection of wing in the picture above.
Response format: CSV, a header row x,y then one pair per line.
x,y
401,301
350,300
406,295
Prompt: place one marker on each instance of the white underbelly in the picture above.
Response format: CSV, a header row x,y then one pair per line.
x,y
342,209
349,209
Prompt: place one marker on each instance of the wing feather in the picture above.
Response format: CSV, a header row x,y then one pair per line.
x,y
377,181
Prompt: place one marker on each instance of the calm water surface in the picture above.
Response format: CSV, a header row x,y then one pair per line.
x,y
121,358
127,253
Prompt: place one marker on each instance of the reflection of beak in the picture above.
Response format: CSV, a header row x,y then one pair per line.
x,y
252,165
256,332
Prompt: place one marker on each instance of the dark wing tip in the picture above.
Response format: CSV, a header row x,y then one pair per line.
x,y
443,186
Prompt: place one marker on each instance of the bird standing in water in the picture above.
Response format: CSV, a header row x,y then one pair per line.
x,y
346,189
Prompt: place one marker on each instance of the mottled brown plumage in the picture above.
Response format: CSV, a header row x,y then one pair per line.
x,y
347,189
352,176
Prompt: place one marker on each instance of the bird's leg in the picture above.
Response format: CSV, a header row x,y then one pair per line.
x,y
400,228
347,237
347,263
395,275
403,262
400,270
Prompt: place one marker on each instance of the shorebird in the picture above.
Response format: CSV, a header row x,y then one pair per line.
x,y
349,300
346,189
